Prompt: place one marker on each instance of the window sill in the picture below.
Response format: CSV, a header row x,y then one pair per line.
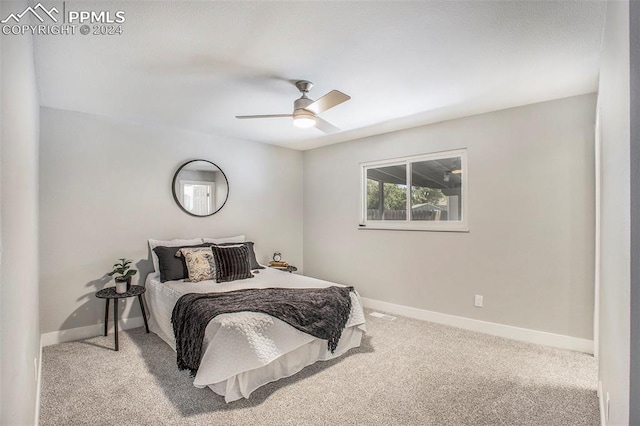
x,y
396,227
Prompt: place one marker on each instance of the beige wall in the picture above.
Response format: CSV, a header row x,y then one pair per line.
x,y
106,189
530,248
19,325
613,106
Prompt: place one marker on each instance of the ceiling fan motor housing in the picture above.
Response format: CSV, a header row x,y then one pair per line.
x,y
302,103
304,86
302,117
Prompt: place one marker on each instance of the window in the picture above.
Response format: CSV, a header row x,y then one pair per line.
x,y
424,192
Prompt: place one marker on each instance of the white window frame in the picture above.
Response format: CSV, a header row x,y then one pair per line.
x,y
461,225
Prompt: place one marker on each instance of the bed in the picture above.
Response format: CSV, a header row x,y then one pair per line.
x,y
243,351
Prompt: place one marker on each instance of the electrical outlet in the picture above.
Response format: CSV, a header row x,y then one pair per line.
x,y
479,301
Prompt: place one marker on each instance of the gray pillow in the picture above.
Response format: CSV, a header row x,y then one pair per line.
x,y
252,253
232,263
172,267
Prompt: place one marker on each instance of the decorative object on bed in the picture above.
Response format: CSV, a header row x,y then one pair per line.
x,y
171,266
320,312
232,262
200,263
123,275
200,188
252,253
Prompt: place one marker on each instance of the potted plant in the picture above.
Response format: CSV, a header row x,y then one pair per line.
x,y
123,275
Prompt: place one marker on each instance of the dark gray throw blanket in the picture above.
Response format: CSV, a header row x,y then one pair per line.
x,y
320,312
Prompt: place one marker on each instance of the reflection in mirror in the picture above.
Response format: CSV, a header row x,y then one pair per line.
x,y
200,188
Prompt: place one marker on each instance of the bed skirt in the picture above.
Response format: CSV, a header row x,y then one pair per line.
x,y
245,350
243,384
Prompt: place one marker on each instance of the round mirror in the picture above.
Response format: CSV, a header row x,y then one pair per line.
x,y
200,188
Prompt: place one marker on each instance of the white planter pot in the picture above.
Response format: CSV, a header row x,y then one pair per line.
x,y
121,287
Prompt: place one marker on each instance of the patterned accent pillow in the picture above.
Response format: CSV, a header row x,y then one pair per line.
x,y
232,263
200,263
172,266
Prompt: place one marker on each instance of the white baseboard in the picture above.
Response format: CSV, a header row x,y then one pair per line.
x,y
38,382
78,333
495,329
603,415
501,330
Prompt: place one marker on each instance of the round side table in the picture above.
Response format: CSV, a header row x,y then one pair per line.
x,y
110,293
288,269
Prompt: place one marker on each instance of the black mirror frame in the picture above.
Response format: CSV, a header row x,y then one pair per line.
x,y
175,196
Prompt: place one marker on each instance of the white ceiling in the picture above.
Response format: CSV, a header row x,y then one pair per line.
x,y
195,65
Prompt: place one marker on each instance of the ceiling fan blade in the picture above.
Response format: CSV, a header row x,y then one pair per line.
x,y
242,117
325,126
331,99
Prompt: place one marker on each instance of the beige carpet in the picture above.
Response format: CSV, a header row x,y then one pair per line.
x,y
407,372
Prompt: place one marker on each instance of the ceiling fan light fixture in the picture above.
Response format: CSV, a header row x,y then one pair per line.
x,y
304,119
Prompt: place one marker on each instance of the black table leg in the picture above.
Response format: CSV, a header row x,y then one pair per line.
x,y
115,320
144,314
106,317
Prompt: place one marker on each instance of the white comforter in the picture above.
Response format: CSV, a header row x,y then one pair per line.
x,y
242,351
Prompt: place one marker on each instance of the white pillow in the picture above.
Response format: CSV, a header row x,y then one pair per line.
x,y
171,243
236,239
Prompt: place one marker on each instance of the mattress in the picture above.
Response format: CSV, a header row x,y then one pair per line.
x,y
245,350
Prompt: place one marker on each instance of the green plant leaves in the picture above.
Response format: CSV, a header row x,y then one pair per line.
x,y
122,269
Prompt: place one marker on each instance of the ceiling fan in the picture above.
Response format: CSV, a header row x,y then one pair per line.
x,y
306,110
